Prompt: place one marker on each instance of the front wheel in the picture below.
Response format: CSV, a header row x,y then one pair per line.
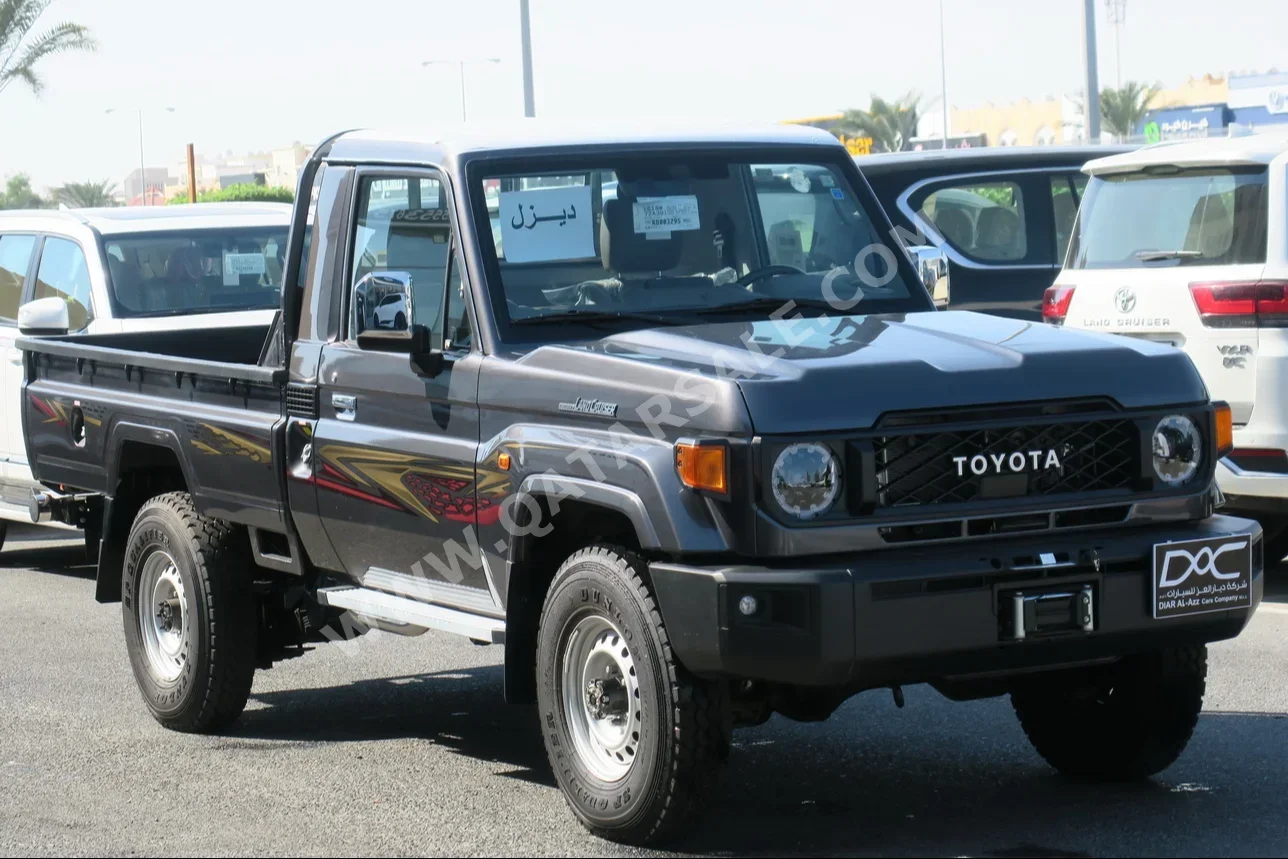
x,y
1125,721
189,615
635,741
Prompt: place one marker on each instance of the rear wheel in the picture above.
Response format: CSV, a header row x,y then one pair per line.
x,y
400,322
4,532
635,741
189,615
1129,720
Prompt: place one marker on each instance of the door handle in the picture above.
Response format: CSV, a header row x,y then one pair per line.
x,y
346,406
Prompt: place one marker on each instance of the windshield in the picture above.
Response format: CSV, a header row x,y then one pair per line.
x,y
196,271
671,239
1199,216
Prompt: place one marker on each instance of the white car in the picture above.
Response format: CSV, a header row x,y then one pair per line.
x,y
203,266
1187,244
391,312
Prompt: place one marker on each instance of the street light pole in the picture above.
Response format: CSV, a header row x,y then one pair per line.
x,y
1092,74
460,64
525,37
143,170
943,72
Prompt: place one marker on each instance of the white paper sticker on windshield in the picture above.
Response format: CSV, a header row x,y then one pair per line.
x,y
236,265
547,224
665,214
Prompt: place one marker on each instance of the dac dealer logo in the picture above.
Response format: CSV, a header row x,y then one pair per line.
x,y
1199,576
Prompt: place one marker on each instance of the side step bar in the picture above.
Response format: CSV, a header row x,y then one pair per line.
x,y
402,612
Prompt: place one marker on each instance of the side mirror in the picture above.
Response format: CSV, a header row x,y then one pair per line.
x,y
382,314
44,316
931,264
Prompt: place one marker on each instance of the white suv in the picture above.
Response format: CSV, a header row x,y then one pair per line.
x,y
210,265
1187,243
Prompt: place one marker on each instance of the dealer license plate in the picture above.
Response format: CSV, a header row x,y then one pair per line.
x,y
1200,576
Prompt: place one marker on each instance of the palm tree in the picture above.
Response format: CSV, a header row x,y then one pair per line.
x,y
890,124
85,195
1122,109
19,55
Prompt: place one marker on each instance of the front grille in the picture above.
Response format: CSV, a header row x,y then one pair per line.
x,y
918,469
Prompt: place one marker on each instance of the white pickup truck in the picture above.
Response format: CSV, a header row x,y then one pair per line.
x,y
1187,243
103,271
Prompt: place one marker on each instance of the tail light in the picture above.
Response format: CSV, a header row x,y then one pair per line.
x,y
1242,303
1055,303
1260,459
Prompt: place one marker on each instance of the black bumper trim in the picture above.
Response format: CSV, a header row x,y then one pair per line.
x,y
920,614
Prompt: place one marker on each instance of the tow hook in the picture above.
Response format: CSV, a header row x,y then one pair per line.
x,y
897,692
47,505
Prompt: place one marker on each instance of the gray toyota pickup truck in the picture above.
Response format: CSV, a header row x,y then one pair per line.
x,y
673,419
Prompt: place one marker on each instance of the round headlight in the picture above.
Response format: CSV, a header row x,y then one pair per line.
x,y
806,479
1178,449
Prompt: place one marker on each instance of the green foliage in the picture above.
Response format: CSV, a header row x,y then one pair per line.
x,y
1121,110
1002,195
20,55
245,192
86,195
890,124
17,194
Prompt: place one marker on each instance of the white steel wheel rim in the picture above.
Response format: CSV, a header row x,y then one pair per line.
x,y
601,698
163,616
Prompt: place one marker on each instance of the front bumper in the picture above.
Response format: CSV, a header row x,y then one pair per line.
x,y
925,614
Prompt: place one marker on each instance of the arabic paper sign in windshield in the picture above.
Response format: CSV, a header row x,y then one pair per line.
x,y
547,224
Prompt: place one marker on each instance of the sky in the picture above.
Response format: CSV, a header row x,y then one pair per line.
x,y
247,75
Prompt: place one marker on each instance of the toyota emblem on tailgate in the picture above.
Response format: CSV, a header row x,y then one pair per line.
x,y
1125,298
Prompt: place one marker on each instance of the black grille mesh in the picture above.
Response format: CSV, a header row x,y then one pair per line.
x,y
918,468
302,400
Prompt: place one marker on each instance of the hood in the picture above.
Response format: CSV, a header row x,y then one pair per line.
x,y
835,373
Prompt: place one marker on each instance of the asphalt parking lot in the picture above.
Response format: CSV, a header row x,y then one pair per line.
x,y
402,746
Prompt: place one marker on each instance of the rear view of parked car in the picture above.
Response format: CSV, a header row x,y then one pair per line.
x,y
1187,244
102,271
1002,215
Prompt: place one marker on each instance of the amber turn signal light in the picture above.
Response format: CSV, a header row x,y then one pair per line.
x,y
503,461
702,466
1224,430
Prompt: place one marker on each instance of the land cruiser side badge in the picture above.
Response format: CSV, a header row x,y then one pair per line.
x,y
1199,576
584,406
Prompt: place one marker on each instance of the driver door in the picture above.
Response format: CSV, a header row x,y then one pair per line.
x,y
394,449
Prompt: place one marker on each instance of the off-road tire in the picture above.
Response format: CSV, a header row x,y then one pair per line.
x,y
212,560
686,723
1121,722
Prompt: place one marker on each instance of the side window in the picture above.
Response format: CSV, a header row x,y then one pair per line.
x,y
403,226
64,274
983,220
458,319
15,259
1064,206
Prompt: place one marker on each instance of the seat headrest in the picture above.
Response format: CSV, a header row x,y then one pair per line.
x,y
622,250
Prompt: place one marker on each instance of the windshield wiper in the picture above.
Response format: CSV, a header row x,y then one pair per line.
x,y
592,317
766,302
1158,256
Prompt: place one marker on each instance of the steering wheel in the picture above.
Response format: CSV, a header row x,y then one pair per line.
x,y
767,271
589,293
